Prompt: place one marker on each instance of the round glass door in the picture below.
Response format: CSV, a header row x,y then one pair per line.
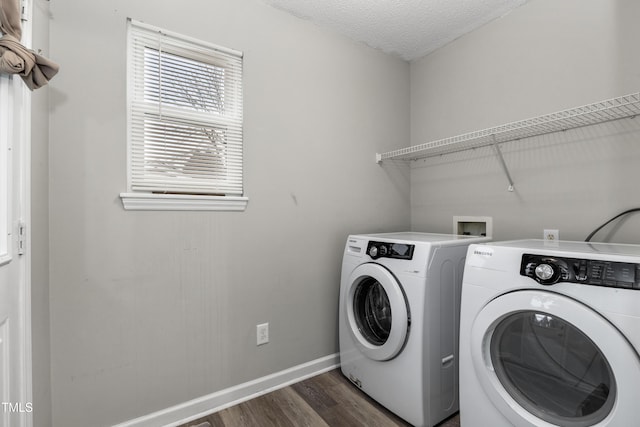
x,y
372,311
544,359
552,369
377,312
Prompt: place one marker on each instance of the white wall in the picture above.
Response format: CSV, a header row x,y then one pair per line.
x,y
152,309
544,57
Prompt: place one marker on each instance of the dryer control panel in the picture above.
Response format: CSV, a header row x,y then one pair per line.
x,y
390,250
548,270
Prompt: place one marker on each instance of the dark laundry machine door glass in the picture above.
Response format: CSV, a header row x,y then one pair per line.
x,y
552,369
543,358
372,310
377,312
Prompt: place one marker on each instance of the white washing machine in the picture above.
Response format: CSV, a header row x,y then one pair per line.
x,y
550,335
399,318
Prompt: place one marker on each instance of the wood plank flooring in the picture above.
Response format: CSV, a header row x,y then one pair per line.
x,y
326,400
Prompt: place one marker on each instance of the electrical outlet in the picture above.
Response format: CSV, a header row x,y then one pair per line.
x,y
551,235
262,332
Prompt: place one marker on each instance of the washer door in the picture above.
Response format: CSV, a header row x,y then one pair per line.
x,y
544,359
377,312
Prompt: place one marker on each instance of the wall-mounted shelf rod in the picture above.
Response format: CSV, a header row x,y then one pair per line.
x,y
587,115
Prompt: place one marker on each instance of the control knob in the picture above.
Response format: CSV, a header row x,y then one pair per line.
x,y
373,252
547,273
377,251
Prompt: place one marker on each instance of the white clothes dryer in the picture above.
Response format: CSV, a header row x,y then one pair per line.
x,y
550,335
399,320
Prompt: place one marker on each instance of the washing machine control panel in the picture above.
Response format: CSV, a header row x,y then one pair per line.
x,y
548,270
390,250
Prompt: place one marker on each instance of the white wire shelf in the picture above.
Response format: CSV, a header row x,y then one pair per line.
x,y
599,112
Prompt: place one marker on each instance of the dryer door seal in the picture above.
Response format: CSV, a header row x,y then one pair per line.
x,y
377,312
545,359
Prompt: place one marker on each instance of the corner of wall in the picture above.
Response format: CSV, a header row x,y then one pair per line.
x,y
41,373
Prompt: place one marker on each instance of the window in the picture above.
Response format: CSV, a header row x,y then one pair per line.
x,y
184,131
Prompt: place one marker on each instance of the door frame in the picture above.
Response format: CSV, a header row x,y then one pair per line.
x,y
19,224
25,223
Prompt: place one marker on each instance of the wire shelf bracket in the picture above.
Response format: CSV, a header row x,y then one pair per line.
x,y
498,152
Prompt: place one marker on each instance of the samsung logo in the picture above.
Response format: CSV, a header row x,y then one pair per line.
x,y
482,252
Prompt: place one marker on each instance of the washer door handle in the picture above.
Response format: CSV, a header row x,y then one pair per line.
x,y
447,360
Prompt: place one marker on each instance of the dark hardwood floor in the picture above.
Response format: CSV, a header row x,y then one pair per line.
x,y
325,400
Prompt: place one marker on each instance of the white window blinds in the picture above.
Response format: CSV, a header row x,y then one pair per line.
x,y
185,114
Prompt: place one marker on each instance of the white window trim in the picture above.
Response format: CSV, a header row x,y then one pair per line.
x,y
139,200
182,202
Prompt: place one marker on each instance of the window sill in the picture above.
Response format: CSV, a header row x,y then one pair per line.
x,y
182,202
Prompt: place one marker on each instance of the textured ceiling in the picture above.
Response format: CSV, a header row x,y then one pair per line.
x,y
407,28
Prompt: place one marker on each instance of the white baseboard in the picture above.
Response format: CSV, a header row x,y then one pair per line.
x,y
202,406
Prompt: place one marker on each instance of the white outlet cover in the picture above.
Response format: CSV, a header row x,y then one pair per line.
x,y
262,333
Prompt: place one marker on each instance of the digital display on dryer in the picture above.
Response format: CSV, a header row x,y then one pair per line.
x,y
610,274
400,250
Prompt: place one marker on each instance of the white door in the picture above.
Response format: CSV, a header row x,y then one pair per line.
x,y
15,369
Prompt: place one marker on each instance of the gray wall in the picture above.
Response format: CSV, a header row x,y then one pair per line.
x,y
39,232
152,309
544,57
